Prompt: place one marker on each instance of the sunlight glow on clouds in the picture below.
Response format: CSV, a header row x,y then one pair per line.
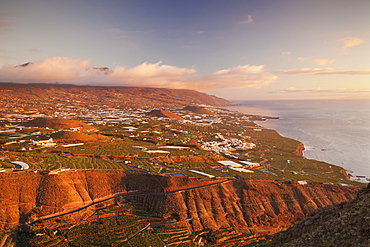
x,y
323,62
241,69
320,90
350,42
76,71
323,71
50,70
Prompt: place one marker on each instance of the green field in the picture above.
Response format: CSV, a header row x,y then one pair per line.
x,y
55,161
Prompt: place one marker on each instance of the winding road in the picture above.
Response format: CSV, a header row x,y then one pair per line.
x,y
126,194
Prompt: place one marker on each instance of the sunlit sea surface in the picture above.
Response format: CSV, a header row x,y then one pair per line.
x,y
334,131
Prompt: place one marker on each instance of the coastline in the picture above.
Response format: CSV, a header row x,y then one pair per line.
x,y
333,131
301,147
344,171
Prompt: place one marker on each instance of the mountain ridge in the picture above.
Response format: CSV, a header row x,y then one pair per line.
x,y
123,97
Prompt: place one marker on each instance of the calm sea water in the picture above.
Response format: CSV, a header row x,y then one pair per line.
x,y
337,132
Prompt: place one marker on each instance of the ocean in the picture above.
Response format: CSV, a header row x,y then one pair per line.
x,y
334,131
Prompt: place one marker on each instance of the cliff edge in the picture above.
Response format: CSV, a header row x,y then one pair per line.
x,y
344,224
252,207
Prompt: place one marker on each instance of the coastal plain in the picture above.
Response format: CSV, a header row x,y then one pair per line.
x,y
140,166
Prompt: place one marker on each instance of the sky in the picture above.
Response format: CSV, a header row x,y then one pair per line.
x,y
234,49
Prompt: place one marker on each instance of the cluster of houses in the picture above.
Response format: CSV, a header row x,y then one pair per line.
x,y
133,119
227,145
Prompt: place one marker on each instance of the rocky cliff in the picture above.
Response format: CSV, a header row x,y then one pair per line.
x,y
255,207
250,207
344,224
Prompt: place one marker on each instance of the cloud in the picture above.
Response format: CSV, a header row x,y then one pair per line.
x,y
77,71
247,21
323,62
320,90
350,42
50,70
241,69
201,32
149,75
323,71
301,59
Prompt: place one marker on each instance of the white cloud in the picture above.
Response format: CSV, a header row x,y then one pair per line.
x,y
50,70
76,71
241,69
350,41
149,75
323,62
323,71
247,21
323,91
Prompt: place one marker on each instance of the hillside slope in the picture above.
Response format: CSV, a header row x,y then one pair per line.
x,y
76,137
252,207
52,95
59,124
164,113
344,224
198,110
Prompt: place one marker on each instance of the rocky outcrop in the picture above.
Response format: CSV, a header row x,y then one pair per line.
x,y
55,193
255,207
300,149
344,224
250,207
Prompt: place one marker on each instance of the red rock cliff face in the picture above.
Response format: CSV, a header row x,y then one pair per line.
x,y
21,192
251,207
257,207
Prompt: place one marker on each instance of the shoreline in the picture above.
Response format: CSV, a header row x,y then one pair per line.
x,y
301,147
309,122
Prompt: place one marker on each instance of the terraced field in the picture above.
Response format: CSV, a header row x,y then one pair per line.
x,y
55,161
